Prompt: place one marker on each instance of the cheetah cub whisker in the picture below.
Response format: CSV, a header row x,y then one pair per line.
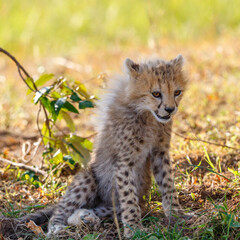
x,y
132,144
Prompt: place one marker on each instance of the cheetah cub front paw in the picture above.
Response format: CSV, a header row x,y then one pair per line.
x,y
84,216
55,230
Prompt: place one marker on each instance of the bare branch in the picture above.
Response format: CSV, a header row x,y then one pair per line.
x,y
38,115
91,136
20,68
47,120
23,166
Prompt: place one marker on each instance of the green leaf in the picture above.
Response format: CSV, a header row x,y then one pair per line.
x,y
74,148
68,121
57,157
63,147
47,151
75,138
66,89
32,178
43,79
83,91
29,82
57,105
87,144
70,107
55,95
85,104
75,97
69,159
46,103
236,173
49,106
77,144
45,134
30,175
43,91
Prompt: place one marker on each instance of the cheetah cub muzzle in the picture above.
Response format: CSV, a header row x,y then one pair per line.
x,y
133,142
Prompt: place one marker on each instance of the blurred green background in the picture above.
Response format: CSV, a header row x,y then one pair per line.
x,y
53,26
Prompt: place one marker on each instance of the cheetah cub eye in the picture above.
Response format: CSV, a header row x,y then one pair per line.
x,y
177,93
157,94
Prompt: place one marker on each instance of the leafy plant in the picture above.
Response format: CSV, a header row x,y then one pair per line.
x,y
58,99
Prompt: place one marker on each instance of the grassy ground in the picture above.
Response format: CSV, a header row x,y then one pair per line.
x,y
207,175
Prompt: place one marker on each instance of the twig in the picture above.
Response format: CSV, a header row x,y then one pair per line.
x,y
46,120
59,129
38,115
23,166
20,68
149,212
61,165
91,136
205,141
25,152
208,169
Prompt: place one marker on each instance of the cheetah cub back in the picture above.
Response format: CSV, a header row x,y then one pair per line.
x,y
132,144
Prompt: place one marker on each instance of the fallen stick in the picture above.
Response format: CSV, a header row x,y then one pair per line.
x,y
205,141
23,166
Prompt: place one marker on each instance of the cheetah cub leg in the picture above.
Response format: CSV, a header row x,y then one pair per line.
x,y
162,170
81,192
130,210
103,212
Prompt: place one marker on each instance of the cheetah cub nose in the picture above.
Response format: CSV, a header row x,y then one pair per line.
x,y
169,109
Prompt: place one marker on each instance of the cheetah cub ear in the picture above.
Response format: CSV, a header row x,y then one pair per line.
x,y
178,62
131,67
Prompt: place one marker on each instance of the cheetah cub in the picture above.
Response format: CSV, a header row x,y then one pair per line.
x,y
132,144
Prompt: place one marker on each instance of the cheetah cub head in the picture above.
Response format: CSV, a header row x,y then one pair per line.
x,y
156,86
